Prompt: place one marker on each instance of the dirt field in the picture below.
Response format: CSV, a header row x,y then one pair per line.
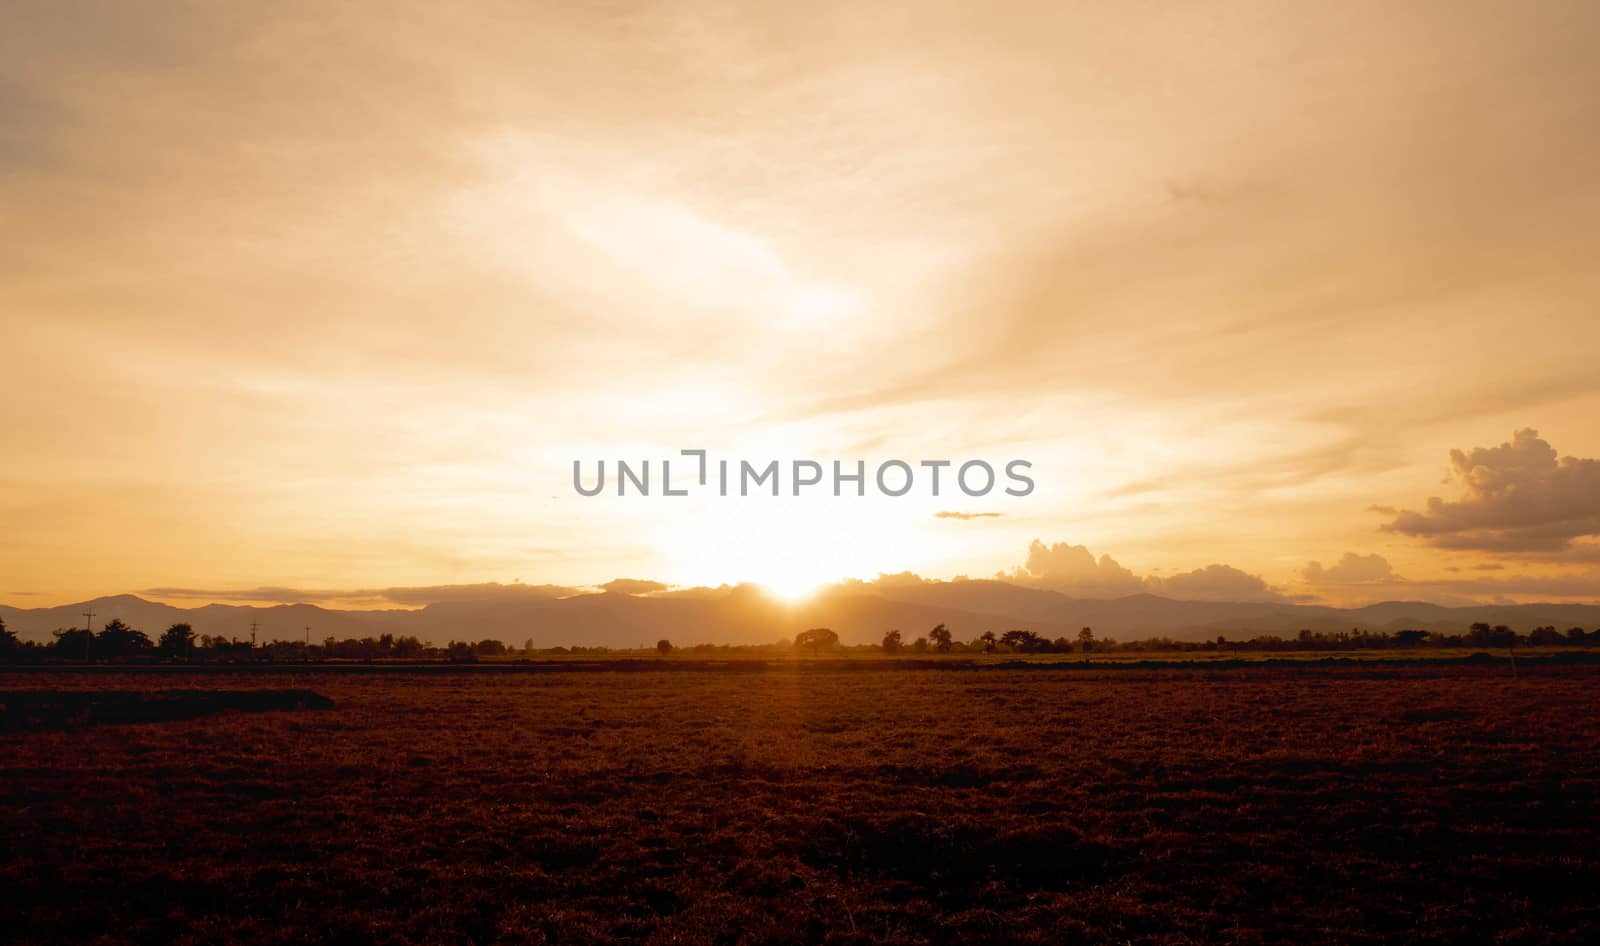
x,y
1365,804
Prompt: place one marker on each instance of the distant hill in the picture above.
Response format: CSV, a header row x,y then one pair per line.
x,y
860,613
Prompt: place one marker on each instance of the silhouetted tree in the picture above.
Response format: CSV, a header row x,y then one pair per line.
x,y
1086,639
891,642
663,647
176,641
941,638
987,639
73,643
816,638
1026,641
117,639
1545,637
8,639
919,646
1409,637
488,648
1576,635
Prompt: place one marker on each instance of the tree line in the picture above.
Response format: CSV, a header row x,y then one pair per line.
x,y
117,641
1023,641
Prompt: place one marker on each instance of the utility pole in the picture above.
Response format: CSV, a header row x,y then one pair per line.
x,y
253,626
308,643
88,633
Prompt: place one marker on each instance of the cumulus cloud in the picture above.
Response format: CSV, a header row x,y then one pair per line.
x,y
1517,497
1216,583
1073,570
1352,569
905,579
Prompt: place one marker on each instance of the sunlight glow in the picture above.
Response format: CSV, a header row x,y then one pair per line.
x,y
789,550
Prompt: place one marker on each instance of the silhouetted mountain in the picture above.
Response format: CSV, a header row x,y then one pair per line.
x,y
858,612
285,621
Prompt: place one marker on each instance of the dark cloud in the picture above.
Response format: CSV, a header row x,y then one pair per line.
x,y
1518,497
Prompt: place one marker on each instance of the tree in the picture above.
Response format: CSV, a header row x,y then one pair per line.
x,y
816,638
1086,639
919,646
1026,641
940,636
1546,636
1410,637
490,648
987,637
176,641
72,643
117,639
891,642
663,647
8,638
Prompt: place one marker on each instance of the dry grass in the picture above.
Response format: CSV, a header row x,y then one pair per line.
x,y
1323,804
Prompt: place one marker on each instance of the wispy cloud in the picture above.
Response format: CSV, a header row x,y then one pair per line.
x,y
342,292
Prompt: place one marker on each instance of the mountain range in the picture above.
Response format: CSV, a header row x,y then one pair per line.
x,y
745,614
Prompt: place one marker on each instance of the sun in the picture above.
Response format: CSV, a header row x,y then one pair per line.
x,y
792,556
794,586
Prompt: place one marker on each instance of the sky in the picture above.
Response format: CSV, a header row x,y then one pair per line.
x,y
1288,301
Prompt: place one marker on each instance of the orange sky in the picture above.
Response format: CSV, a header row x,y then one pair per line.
x,y
331,299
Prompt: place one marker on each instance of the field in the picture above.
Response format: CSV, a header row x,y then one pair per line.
x,y
1365,803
